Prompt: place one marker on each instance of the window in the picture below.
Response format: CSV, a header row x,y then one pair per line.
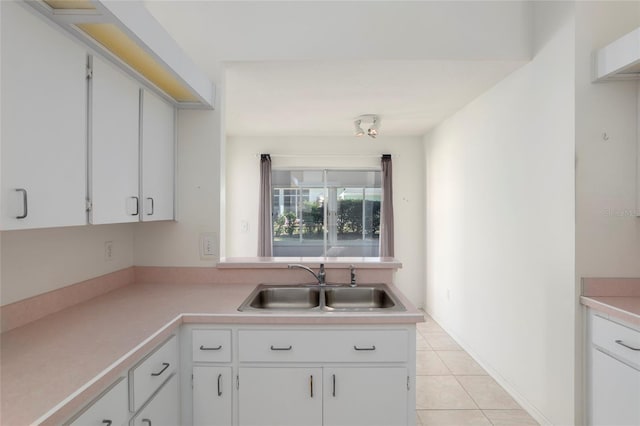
x,y
326,212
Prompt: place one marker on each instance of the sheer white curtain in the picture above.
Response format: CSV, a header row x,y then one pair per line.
x,y
386,214
265,244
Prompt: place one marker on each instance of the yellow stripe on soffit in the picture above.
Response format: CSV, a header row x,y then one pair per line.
x,y
71,4
117,42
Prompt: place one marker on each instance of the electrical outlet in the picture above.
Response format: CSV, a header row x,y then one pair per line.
x,y
108,250
208,245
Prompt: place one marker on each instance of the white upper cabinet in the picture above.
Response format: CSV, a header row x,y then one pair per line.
x,y
157,149
114,134
43,145
619,60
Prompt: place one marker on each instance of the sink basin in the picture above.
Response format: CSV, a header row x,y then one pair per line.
x,y
313,298
358,298
283,298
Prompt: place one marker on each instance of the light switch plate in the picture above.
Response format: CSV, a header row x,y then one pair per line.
x,y
208,245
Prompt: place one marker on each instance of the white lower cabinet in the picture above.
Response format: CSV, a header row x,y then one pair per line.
x,y
163,409
148,396
326,396
338,376
616,392
252,375
285,396
614,373
366,396
212,395
109,409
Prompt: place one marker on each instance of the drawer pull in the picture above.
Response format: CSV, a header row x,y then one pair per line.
x,y
219,384
275,348
311,384
165,366
107,422
621,343
204,348
148,421
371,348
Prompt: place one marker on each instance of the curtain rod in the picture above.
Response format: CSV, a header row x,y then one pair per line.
x,y
325,155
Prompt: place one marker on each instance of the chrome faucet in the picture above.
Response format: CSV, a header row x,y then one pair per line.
x,y
320,276
352,269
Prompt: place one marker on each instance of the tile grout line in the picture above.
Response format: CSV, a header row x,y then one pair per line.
x,y
455,376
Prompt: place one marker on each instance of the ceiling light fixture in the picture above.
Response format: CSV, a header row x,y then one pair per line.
x,y
371,122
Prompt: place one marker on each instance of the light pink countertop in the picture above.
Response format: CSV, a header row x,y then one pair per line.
x,y
53,366
626,308
617,297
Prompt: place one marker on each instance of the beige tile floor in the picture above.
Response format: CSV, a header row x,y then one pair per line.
x,y
453,390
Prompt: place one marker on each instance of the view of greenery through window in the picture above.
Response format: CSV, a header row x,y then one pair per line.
x,y
326,212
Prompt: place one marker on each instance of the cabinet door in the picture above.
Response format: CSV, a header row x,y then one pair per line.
x,y
212,396
157,154
114,118
43,131
615,390
163,409
365,396
280,396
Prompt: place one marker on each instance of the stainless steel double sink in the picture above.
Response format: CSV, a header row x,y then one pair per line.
x,y
328,298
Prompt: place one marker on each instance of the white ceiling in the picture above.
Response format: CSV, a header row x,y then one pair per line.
x,y
323,98
310,67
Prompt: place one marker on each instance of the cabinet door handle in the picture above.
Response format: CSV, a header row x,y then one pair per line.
x,y
311,384
334,386
25,209
148,421
371,348
152,207
219,384
137,206
621,343
204,348
275,348
165,365
107,422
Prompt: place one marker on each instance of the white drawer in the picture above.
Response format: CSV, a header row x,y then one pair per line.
x,y
150,373
109,409
211,345
621,341
323,345
164,407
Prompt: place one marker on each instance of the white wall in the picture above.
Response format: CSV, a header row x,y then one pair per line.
x,y
243,178
500,223
607,231
42,260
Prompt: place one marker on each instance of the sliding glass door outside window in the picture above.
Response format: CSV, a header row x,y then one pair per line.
x,y
326,212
